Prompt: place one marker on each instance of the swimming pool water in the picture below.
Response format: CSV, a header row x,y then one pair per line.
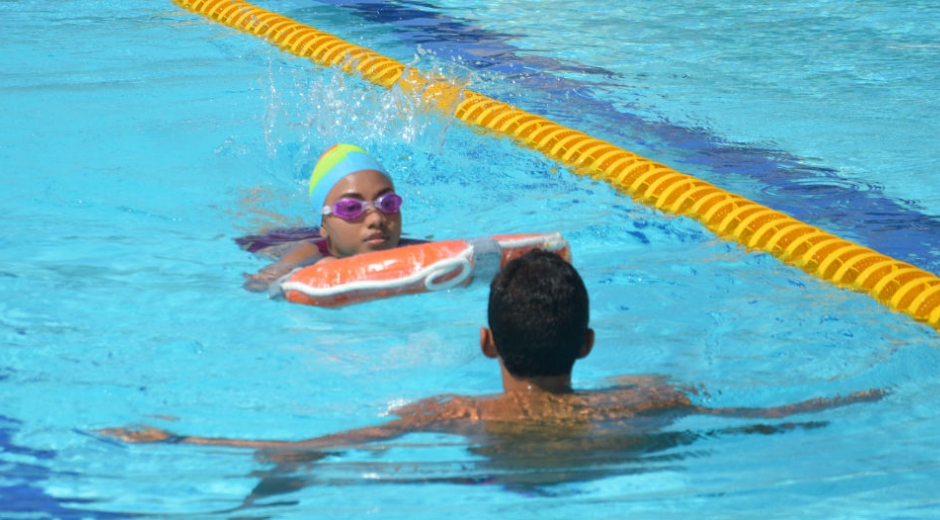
x,y
140,140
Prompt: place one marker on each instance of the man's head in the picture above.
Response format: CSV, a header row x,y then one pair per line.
x,y
538,316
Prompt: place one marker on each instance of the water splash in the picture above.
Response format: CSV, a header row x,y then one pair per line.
x,y
307,110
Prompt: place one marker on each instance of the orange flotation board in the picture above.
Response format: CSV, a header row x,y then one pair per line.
x,y
412,269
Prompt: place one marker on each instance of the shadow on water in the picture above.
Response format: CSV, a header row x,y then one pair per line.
x,y
525,460
21,492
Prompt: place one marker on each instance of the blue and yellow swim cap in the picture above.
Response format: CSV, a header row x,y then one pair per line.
x,y
337,162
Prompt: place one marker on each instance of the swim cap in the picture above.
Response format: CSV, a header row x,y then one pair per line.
x,y
337,162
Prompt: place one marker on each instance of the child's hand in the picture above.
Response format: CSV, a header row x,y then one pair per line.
x,y
138,435
257,282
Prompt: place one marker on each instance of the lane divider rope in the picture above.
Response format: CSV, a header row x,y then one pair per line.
x,y
898,285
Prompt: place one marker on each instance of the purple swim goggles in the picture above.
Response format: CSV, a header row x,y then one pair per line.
x,y
350,209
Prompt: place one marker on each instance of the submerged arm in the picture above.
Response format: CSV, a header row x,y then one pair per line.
x,y
146,434
809,406
302,255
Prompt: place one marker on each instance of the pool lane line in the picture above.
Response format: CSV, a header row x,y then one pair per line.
x,y
898,285
784,181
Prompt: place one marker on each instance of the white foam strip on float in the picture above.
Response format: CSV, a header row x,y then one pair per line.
x,y
553,242
381,284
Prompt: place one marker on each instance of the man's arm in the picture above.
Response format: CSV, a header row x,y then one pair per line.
x,y
146,434
420,416
809,406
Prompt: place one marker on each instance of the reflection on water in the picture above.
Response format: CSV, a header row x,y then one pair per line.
x,y
25,495
528,459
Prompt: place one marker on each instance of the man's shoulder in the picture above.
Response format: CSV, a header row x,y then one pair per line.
x,y
442,407
626,398
636,395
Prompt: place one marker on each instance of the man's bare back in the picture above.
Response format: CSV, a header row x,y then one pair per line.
x,y
637,403
538,315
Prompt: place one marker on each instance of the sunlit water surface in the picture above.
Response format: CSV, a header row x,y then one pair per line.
x,y
139,141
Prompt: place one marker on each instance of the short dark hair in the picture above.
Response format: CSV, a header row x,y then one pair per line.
x,y
538,312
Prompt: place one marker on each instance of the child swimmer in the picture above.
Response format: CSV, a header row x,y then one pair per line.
x,y
359,212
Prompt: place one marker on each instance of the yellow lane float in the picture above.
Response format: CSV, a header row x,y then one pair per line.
x,y
898,285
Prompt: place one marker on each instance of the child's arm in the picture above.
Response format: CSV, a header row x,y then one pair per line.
x,y
302,255
809,406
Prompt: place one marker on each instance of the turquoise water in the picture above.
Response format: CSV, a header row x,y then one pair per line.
x,y
139,141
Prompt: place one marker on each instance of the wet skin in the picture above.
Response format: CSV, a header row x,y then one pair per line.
x,y
371,231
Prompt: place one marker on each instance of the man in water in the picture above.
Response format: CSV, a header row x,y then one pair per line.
x,y
538,327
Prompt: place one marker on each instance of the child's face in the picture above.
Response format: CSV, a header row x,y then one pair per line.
x,y
371,231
